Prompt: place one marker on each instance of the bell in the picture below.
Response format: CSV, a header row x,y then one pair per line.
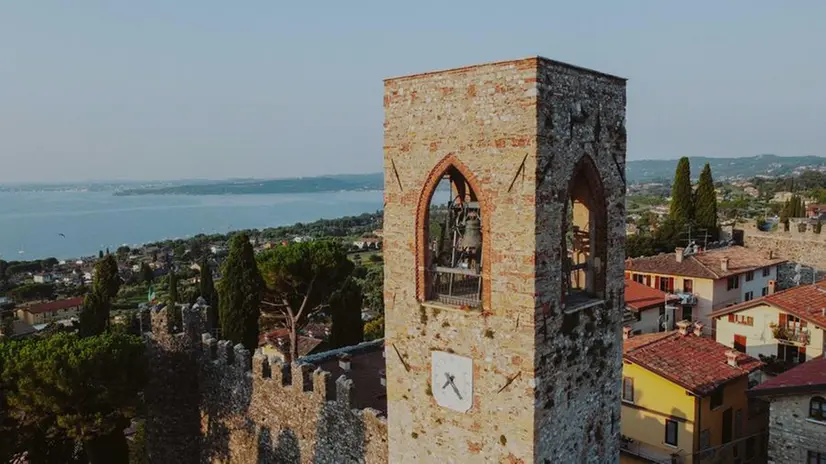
x,y
473,234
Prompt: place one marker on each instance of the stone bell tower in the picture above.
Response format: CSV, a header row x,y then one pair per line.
x,y
504,229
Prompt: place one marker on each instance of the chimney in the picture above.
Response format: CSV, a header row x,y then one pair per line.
x,y
344,362
770,254
724,263
772,285
678,253
698,329
683,326
731,358
626,333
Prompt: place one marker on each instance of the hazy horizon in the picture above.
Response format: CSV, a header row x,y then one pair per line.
x,y
157,91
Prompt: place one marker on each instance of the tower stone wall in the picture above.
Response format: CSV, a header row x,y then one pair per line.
x,y
546,374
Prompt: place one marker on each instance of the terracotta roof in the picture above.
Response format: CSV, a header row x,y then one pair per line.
x,y
306,345
807,377
639,297
52,306
807,302
367,365
705,265
698,364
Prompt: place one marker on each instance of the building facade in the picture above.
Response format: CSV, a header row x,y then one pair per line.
x,y
647,309
788,324
797,430
707,280
52,311
684,398
504,297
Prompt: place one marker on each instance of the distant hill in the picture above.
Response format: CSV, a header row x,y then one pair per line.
x,y
722,168
638,171
335,183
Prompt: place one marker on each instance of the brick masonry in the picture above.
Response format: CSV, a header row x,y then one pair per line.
x,y
545,384
791,433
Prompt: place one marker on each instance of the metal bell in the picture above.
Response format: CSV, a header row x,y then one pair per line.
x,y
473,234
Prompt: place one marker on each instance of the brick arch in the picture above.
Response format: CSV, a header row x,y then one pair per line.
x,y
593,194
422,213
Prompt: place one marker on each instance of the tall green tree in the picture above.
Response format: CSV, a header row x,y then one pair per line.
x,y
345,311
705,204
682,199
63,390
301,278
94,316
208,293
100,254
172,301
240,291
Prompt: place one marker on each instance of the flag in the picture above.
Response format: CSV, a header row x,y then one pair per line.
x,y
151,295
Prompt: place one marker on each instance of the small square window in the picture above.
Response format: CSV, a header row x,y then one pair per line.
x,y
628,389
749,276
767,271
749,296
733,282
765,291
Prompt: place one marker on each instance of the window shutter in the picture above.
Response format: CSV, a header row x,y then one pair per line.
x,y
783,319
731,317
657,282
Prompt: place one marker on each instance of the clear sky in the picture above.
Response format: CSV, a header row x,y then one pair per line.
x,y
156,89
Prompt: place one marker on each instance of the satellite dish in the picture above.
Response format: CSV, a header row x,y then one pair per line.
x,y
798,267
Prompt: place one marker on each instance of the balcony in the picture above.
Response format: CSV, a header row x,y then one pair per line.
x,y
456,287
790,334
686,298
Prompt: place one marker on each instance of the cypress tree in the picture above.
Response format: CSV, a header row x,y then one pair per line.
x,y
94,316
345,306
240,291
208,293
173,311
705,205
682,203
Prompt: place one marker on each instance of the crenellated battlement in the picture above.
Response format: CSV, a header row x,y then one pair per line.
x,y
236,387
804,242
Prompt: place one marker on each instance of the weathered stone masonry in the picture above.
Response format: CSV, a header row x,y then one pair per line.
x,y
545,382
212,402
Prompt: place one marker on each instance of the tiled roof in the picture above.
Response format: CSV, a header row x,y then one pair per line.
x,y
698,364
809,376
639,297
52,306
704,265
807,302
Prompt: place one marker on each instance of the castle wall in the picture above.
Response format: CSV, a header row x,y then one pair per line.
x,y
246,409
799,245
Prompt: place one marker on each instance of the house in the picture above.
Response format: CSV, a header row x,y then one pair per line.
x,y
367,242
815,211
684,397
788,324
751,191
43,313
797,427
277,344
42,278
707,280
18,329
781,197
303,238
647,309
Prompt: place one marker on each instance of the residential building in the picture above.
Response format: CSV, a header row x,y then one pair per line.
x,y
788,324
42,278
43,313
707,280
815,211
797,428
647,309
684,397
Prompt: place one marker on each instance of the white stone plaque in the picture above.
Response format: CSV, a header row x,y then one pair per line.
x,y
452,380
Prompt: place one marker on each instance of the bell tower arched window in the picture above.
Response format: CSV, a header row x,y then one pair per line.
x,y
584,241
452,240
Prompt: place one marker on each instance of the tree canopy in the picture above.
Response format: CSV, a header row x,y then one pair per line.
x,y
63,390
705,205
345,311
301,278
239,293
208,293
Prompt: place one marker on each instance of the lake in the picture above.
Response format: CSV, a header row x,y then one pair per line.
x,y
30,222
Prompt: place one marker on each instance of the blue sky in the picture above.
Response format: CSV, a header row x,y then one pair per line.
x,y
184,89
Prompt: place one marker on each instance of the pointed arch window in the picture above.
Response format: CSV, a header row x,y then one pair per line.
x,y
585,238
452,240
